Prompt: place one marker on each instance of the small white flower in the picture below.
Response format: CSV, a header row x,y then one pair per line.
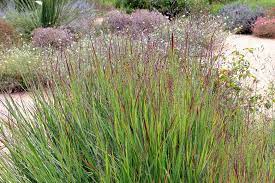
x,y
39,2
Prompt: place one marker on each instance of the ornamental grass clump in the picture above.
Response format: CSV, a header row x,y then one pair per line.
x,y
136,114
240,18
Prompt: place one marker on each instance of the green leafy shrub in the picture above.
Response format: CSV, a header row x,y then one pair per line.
x,y
131,5
169,8
172,8
240,18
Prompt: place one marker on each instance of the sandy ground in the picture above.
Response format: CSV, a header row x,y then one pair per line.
x,y
262,60
25,102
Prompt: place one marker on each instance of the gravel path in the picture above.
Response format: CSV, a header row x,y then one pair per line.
x,y
24,100
262,60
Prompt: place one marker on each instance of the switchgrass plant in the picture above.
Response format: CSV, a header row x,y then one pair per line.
x,y
134,114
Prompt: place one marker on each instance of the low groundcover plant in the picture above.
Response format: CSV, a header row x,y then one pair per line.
x,y
20,67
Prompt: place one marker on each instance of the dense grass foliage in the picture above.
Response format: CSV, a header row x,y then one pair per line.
x,y
150,100
129,112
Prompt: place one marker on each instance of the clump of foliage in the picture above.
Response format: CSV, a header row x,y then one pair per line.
x,y
7,34
47,13
166,7
22,5
145,21
137,23
201,29
117,21
240,18
20,68
134,4
270,13
137,113
173,8
264,27
52,37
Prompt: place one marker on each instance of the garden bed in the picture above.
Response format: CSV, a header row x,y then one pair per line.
x,y
139,97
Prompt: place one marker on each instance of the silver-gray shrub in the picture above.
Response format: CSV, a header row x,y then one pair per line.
x,y
138,23
144,21
117,21
240,17
52,37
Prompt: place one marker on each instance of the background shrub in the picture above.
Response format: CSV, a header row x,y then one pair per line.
x,y
144,21
7,33
137,23
264,27
170,8
240,17
131,5
52,37
200,29
117,21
